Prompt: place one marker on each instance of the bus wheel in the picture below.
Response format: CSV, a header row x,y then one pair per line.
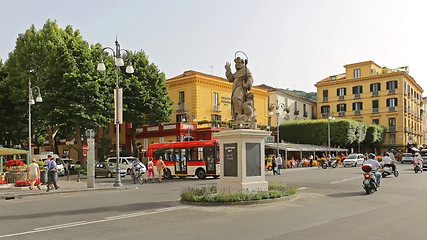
x,y
168,174
201,174
215,176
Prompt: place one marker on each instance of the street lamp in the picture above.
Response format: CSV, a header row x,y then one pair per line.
x,y
31,102
118,96
278,106
331,117
190,114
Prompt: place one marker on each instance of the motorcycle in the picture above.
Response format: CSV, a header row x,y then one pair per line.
x,y
417,168
369,181
330,163
387,170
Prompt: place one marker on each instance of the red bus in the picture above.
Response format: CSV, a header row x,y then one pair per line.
x,y
182,159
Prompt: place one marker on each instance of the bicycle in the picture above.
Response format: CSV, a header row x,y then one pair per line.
x,y
139,177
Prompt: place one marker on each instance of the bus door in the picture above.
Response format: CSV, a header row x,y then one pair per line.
x,y
209,157
180,161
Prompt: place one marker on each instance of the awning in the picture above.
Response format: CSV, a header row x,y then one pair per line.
x,y
294,147
12,151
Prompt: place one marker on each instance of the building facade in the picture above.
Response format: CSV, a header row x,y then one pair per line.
x,y
369,93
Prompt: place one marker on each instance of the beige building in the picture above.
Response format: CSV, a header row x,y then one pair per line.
x,y
372,94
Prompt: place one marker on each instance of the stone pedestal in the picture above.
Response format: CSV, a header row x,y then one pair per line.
x,y
12,177
242,161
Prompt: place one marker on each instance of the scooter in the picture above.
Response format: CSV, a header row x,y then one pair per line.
x,y
417,168
387,170
369,181
332,164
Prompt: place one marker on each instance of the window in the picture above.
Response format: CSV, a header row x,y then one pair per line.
x,y
357,89
304,109
333,78
392,138
357,73
391,102
181,97
216,117
215,99
341,91
376,121
375,108
357,106
392,124
391,84
375,87
342,107
180,117
325,95
325,110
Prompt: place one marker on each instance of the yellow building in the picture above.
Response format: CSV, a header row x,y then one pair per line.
x,y
369,93
208,98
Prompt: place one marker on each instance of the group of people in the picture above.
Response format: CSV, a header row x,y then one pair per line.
x,y
33,173
137,165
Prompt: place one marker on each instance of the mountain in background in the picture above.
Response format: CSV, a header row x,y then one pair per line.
x,y
309,95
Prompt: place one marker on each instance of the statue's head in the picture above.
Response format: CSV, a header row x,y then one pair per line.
x,y
250,96
239,62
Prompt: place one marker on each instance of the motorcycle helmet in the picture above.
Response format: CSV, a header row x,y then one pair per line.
x,y
371,156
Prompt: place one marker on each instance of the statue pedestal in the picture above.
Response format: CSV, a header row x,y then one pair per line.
x,y
242,161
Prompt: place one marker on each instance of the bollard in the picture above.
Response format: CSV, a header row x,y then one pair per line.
x,y
78,177
68,171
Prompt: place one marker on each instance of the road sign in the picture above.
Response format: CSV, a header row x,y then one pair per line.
x,y
84,150
143,150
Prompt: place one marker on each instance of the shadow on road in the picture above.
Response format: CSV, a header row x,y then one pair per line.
x,y
347,194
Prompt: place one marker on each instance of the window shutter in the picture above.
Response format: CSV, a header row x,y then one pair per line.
x,y
379,86
360,89
361,106
388,102
354,90
388,85
395,84
354,106
345,91
220,117
395,102
372,87
338,91
345,107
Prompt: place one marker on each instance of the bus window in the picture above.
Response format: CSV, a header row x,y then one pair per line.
x,y
168,155
209,155
192,154
200,153
217,154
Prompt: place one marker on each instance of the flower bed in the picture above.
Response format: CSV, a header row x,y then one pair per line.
x,y
24,183
14,163
210,194
2,182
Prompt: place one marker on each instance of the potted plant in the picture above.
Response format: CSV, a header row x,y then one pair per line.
x,y
15,165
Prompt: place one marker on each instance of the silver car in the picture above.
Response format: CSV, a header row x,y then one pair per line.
x,y
424,161
353,160
407,157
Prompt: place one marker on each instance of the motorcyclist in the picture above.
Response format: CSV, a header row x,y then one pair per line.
x,y
418,161
388,162
372,160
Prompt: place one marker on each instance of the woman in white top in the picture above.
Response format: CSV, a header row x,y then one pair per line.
x,y
33,174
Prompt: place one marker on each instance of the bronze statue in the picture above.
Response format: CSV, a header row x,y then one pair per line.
x,y
241,100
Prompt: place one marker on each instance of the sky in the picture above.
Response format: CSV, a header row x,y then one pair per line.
x,y
289,44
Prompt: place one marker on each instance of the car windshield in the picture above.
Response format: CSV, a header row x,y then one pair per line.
x,y
407,155
352,156
111,165
58,161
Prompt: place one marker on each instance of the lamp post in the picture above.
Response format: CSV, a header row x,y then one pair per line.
x,y
331,117
189,116
278,106
118,96
31,102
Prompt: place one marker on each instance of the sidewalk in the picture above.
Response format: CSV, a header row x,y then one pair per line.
x,y
9,191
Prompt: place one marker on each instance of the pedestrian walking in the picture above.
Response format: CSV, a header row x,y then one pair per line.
x,y
265,162
33,173
160,166
150,170
52,174
279,163
273,165
311,160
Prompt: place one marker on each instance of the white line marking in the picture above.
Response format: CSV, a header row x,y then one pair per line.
x,y
107,219
345,180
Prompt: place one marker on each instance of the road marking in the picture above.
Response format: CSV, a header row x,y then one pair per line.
x,y
345,180
107,219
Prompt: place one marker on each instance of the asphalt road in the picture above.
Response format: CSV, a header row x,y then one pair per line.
x,y
331,205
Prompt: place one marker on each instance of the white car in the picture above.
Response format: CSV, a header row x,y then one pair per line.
x,y
124,163
407,157
59,164
353,160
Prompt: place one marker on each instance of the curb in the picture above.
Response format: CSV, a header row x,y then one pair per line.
x,y
18,195
242,203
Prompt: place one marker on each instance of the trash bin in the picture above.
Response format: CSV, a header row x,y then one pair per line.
x,y
53,175
43,177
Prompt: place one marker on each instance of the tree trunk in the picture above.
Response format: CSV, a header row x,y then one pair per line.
x,y
51,135
79,145
134,146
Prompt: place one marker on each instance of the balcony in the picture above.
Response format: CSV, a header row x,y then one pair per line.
x,y
392,129
341,114
340,98
406,129
392,91
216,108
375,110
357,112
357,96
375,93
180,107
392,109
325,99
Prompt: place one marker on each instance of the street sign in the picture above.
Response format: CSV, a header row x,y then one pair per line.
x,y
84,150
143,150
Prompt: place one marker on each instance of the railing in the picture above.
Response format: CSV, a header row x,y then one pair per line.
x,y
375,110
325,115
375,93
341,113
216,108
406,129
180,107
341,97
325,99
391,91
357,112
392,129
357,95
392,109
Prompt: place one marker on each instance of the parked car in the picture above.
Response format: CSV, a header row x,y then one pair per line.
x,y
424,157
124,163
107,170
69,161
353,160
407,157
59,164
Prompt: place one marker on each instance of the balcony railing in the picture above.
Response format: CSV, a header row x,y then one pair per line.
x,y
391,91
392,109
180,107
216,108
392,129
406,129
375,110
325,115
341,113
340,98
325,99
357,112
375,93
357,96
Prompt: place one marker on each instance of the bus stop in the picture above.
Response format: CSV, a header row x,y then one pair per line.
x,y
11,152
